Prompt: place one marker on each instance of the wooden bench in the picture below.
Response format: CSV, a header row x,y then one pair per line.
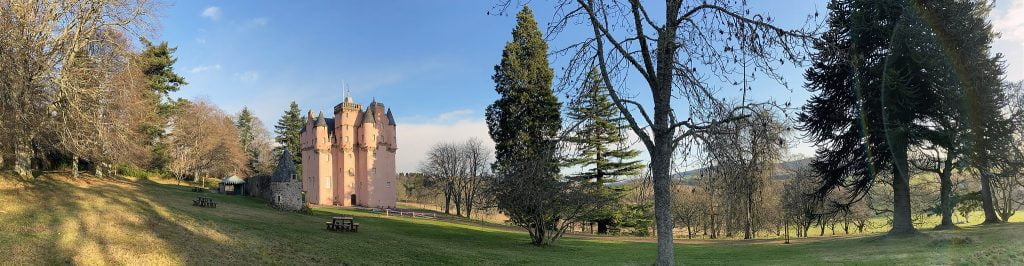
x,y
204,202
342,224
198,189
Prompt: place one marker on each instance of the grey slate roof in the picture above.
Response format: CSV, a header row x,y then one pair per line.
x,y
391,118
285,168
368,116
320,120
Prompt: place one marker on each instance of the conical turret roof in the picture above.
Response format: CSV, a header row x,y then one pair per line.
x,y
368,116
285,168
391,118
320,122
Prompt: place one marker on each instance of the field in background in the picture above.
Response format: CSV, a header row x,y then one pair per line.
x,y
58,220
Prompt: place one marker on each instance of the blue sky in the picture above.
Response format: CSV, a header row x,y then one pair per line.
x,y
429,61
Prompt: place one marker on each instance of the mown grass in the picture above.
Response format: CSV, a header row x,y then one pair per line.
x,y
58,220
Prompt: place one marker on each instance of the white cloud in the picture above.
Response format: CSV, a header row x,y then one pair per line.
x,y
454,115
201,69
1011,22
211,12
415,139
259,22
1008,20
248,76
201,40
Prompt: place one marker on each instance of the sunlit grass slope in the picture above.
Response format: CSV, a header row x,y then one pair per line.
x,y
58,220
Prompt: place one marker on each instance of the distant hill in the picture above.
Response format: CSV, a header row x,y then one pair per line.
x,y
689,176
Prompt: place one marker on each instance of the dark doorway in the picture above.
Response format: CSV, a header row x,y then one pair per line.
x,y
353,199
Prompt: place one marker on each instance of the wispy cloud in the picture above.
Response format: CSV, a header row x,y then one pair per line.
x,y
248,76
212,13
454,115
201,40
205,68
259,22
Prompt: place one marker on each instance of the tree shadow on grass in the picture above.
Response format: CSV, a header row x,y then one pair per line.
x,y
59,220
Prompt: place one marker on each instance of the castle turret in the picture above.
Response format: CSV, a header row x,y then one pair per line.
x,y
369,128
391,132
322,157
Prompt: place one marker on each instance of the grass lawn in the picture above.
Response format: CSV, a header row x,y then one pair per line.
x,y
58,220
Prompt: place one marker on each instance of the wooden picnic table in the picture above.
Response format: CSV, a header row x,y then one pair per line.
x,y
342,223
204,202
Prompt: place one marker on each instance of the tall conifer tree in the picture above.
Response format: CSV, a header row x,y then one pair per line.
x,y
603,153
247,136
524,123
288,129
157,64
526,117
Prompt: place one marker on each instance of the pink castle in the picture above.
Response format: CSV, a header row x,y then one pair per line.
x,y
349,159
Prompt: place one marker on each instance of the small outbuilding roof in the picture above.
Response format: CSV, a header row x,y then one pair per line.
x,y
232,180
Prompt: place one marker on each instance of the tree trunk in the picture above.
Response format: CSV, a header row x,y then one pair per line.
x,y
747,233
447,199
986,197
74,166
661,167
945,194
23,158
901,221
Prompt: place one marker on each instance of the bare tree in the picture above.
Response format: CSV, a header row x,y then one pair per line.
x,y
203,142
666,53
474,183
443,166
459,171
744,154
58,58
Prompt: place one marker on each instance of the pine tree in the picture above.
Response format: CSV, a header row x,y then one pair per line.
x,y
603,153
288,129
247,136
524,123
157,64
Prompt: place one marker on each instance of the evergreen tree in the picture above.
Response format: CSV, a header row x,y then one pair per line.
x,y
603,153
247,136
963,38
288,129
892,75
526,117
524,123
868,99
157,64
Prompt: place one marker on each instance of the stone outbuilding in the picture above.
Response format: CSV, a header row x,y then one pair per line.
x,y
285,185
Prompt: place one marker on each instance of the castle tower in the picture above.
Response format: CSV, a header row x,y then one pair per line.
x,y
322,158
368,143
345,117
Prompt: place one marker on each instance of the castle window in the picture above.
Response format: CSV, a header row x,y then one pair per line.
x,y
278,199
293,176
328,182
